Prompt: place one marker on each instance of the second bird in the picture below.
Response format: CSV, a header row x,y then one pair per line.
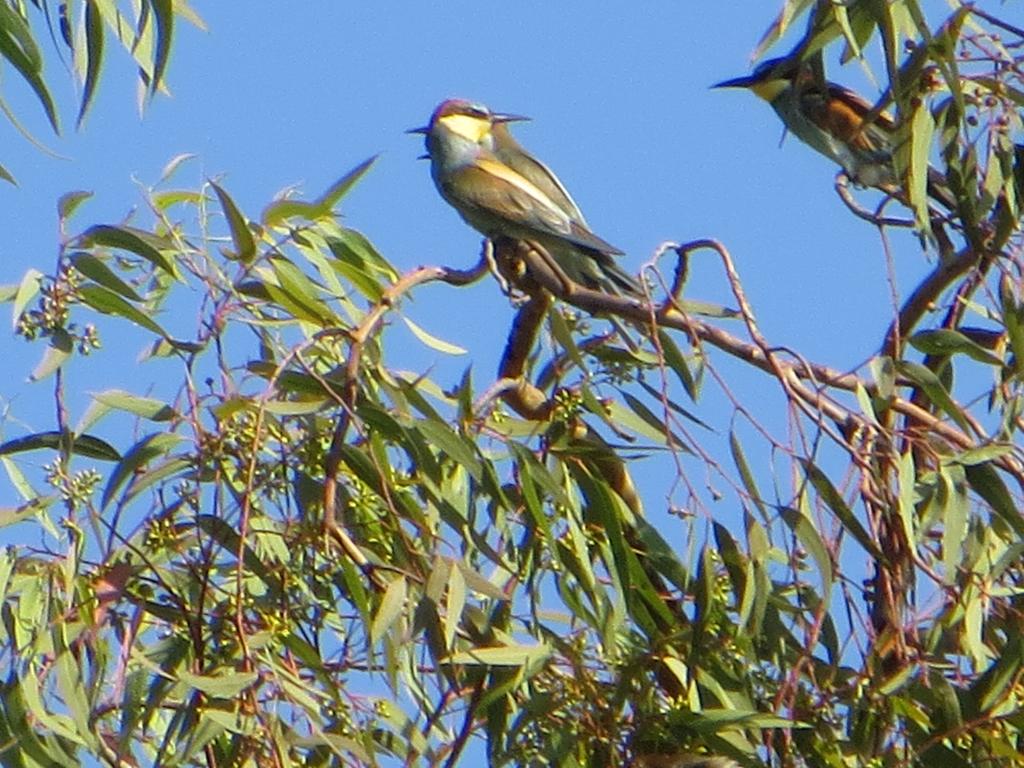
x,y
833,120
501,190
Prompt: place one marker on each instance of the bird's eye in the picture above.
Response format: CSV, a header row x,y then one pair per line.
x,y
480,112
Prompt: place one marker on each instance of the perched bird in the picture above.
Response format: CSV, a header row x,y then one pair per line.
x,y
832,120
501,190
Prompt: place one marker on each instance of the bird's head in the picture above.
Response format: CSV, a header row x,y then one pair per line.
x,y
769,79
467,124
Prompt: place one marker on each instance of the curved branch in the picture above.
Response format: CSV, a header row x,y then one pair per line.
x,y
358,338
760,355
523,397
842,187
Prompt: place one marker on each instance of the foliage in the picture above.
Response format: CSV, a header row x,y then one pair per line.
x,y
306,555
144,29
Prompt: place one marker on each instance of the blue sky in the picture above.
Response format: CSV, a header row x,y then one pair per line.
x,y
622,111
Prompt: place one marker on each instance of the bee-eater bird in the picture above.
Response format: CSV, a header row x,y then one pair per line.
x,y
501,190
833,120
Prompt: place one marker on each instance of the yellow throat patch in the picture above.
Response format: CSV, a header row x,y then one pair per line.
x,y
469,127
769,90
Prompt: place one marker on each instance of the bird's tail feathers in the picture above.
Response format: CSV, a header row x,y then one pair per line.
x,y
617,280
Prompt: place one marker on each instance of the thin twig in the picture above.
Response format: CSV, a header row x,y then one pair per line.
x,y
924,295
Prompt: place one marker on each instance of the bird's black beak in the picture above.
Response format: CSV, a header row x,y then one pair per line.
x,y
505,118
422,132
736,82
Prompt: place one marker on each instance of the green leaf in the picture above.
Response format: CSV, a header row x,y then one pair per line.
x,y
985,481
19,482
160,471
18,47
27,289
454,604
661,555
96,270
352,248
746,475
226,685
984,453
16,26
57,353
362,467
653,427
791,9
146,407
22,706
224,721
921,128
828,494
883,372
241,235
843,19
137,241
532,477
713,720
93,54
439,345
933,387
323,206
451,444
164,200
1013,319
503,656
945,341
82,445
15,515
68,203
478,583
174,164
808,536
867,403
992,687
163,12
562,334
73,687
907,496
635,579
390,607
227,537
675,360
955,509
94,448
303,295
298,407
340,188
673,406
109,303
707,309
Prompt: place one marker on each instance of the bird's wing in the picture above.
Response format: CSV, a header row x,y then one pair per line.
x,y
495,189
841,112
525,164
